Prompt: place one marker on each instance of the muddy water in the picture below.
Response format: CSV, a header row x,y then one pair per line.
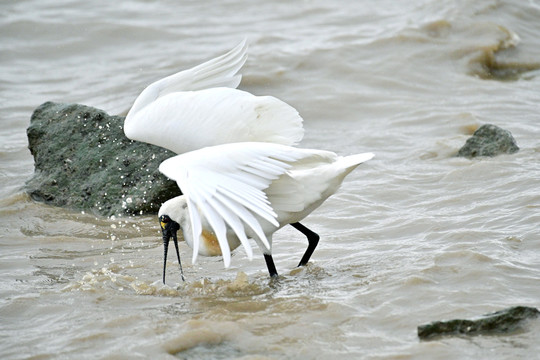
x,y
414,235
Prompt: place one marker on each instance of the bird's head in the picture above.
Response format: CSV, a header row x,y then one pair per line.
x,y
169,229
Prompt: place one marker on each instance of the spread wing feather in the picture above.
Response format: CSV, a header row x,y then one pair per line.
x,y
218,72
224,184
204,106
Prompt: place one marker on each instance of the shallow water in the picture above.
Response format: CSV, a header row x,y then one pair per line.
x,y
413,236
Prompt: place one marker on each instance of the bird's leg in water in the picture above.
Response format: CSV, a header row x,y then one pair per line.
x,y
178,257
270,264
313,240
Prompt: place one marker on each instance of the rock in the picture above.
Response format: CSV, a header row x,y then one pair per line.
x,y
504,321
84,161
489,140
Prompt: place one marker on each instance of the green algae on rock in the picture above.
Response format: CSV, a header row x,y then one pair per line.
x,y
504,321
489,140
84,161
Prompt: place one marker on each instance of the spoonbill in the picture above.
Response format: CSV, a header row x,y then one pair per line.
x,y
238,170
236,191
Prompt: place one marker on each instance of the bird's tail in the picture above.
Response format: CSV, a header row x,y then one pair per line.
x,y
349,163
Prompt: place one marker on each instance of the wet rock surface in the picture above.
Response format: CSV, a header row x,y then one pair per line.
x,y
83,161
500,322
489,140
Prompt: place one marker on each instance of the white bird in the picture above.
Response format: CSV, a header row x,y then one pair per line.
x,y
239,176
237,191
201,107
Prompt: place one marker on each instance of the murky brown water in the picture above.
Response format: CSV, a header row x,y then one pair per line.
x,y
414,235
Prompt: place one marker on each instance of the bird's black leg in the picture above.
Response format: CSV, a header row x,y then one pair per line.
x,y
270,264
313,240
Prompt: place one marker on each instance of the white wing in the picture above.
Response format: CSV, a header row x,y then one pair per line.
x,y
225,184
200,107
309,182
187,121
218,72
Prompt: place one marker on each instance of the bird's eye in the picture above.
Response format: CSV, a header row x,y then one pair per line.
x,y
164,219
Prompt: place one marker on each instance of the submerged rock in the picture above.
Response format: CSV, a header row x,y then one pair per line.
x,y
83,161
489,140
504,321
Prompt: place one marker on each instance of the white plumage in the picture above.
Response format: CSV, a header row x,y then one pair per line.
x,y
240,177
249,190
201,107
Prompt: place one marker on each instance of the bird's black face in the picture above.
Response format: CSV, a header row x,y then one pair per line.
x,y
169,229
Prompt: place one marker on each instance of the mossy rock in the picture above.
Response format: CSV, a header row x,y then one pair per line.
x,y
84,161
500,322
489,140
